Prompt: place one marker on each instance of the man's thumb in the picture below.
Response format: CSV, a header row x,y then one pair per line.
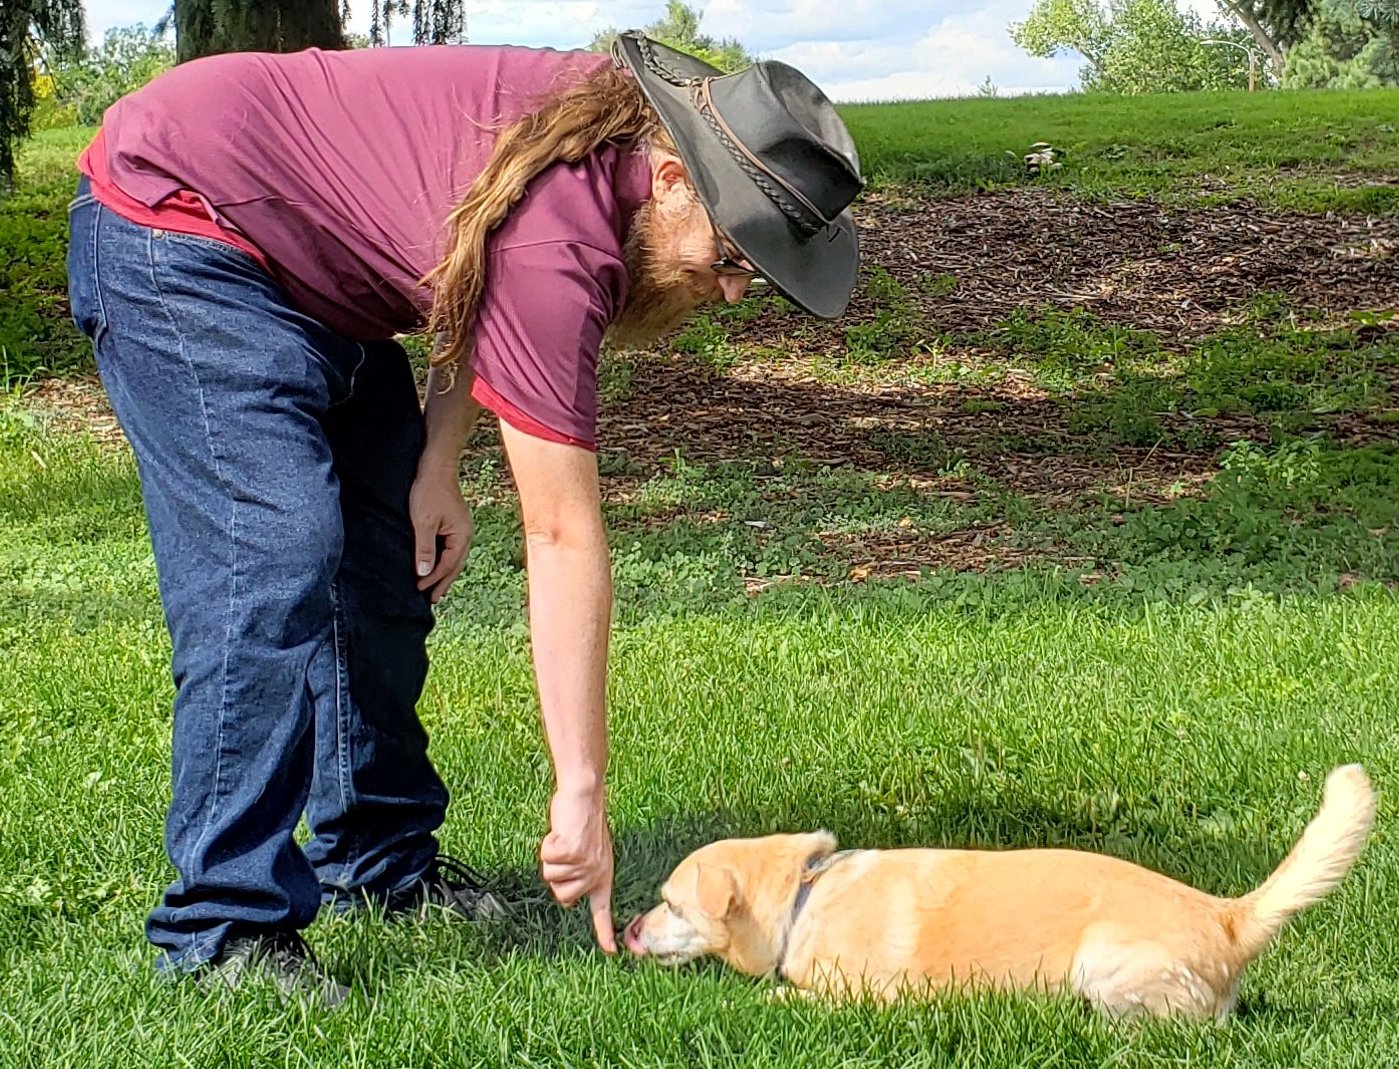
x,y
424,548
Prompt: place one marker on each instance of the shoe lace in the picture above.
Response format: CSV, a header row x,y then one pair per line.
x,y
457,875
459,878
287,949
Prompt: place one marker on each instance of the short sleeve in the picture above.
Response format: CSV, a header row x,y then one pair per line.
x,y
555,281
541,323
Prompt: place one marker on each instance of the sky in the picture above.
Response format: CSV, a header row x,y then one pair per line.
x,y
853,49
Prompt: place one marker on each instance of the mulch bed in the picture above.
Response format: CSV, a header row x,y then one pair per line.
x,y
1182,272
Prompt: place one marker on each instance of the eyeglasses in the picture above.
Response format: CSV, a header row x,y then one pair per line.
x,y
728,263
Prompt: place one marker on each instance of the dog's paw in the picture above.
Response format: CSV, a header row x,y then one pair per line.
x,y
786,993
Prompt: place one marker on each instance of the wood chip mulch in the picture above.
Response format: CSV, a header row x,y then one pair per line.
x,y
964,264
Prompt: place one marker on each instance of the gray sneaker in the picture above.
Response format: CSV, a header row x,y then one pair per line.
x,y
281,958
451,886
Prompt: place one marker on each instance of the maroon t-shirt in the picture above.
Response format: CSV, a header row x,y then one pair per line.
x,y
341,167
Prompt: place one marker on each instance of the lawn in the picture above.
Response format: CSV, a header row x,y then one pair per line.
x,y
1084,541
1188,734
1301,149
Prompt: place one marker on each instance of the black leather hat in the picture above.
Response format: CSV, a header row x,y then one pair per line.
x,y
772,163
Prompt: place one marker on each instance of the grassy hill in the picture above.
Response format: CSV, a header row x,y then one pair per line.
x,y
1308,151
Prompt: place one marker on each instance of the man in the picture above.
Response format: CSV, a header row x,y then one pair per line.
x,y
250,234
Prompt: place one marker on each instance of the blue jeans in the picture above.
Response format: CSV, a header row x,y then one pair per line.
x,y
275,461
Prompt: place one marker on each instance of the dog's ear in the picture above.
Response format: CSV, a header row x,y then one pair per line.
x,y
817,845
714,891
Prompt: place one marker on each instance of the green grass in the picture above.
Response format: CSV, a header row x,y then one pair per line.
x,y
1187,729
1283,147
36,335
1167,683
1276,364
1286,149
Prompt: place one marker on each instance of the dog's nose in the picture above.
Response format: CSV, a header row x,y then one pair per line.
x,y
632,937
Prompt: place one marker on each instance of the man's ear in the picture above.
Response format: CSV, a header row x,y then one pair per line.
x,y
714,891
668,176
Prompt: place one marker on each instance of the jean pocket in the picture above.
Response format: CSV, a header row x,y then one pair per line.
x,y
82,196
84,301
343,369
203,241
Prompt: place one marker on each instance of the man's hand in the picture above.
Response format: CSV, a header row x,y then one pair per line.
x,y
576,858
440,520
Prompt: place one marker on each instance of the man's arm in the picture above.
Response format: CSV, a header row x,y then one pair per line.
x,y
435,504
451,414
570,583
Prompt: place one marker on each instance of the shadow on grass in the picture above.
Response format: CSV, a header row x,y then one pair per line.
x,y
646,855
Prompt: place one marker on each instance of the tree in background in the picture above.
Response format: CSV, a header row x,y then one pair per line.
x,y
1383,17
206,27
1134,46
1056,26
435,22
28,30
1274,25
1343,49
84,87
679,28
318,23
1325,43
1379,12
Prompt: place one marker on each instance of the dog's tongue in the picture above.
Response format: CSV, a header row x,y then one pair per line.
x,y
632,937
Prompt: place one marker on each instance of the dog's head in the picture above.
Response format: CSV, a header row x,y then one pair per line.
x,y
732,899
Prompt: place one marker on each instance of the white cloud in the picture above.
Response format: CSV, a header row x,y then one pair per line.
x,y
949,57
103,15
854,49
766,25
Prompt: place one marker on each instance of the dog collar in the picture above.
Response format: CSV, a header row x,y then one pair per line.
x,y
813,870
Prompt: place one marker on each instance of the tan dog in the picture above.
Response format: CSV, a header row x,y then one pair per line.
x,y
886,922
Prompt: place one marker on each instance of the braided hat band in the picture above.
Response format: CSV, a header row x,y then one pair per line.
x,y
771,161
770,183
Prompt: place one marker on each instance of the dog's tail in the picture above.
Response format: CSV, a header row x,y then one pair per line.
x,y
1323,855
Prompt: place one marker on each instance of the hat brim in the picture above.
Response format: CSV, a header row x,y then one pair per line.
x,y
816,273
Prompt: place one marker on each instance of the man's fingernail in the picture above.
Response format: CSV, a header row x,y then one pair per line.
x,y
424,566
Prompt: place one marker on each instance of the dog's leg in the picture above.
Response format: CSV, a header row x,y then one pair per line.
x,y
785,993
1141,979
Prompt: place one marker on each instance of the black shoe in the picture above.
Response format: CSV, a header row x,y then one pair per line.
x,y
282,958
449,885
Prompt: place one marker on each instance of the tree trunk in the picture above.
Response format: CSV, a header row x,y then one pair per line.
x,y
24,24
1244,11
205,27
194,29
312,25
